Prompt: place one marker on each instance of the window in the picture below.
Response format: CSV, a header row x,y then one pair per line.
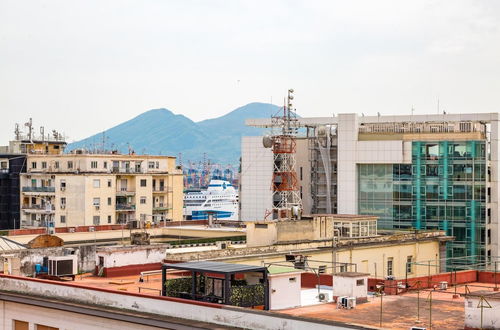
x,y
261,225
33,164
151,165
97,220
97,183
360,282
4,165
409,265
63,184
105,164
45,327
93,164
63,201
96,201
143,200
56,164
44,164
109,201
292,279
143,182
63,219
70,164
109,219
157,165
390,270
301,173
21,325
109,183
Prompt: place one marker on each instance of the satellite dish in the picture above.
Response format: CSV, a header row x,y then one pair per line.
x,y
267,141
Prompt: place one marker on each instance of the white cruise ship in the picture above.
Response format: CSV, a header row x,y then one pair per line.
x,y
220,199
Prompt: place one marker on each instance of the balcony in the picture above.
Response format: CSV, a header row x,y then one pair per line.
x,y
125,170
125,192
36,208
162,190
39,190
125,207
161,207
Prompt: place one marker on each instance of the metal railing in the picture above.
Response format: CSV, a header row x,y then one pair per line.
x,y
39,189
125,207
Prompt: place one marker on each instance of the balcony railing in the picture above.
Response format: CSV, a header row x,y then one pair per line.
x,y
39,189
38,207
125,207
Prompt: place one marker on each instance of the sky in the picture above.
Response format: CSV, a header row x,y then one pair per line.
x,y
84,66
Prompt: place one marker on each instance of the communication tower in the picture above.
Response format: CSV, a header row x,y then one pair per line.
x,y
286,198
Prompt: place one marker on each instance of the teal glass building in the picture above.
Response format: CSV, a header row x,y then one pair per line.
x,y
444,188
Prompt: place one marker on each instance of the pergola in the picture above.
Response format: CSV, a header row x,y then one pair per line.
x,y
228,272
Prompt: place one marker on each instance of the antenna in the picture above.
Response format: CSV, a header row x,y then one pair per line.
x,y
286,200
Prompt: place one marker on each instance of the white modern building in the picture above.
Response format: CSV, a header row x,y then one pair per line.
x,y
419,171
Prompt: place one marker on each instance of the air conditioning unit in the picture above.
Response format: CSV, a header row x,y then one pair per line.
x,y
97,207
351,302
63,206
63,266
443,285
222,244
91,229
323,297
346,302
63,188
71,230
52,176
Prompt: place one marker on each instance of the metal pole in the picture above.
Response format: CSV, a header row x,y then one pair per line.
x,y
418,304
429,274
430,310
381,301
496,284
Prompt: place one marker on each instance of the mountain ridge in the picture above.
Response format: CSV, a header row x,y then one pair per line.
x,y
161,131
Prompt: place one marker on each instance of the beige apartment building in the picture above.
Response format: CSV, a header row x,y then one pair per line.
x,y
92,189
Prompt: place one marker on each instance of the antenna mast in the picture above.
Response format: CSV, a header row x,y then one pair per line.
x,y
286,199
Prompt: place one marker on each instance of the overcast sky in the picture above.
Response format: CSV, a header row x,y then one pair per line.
x,y
85,66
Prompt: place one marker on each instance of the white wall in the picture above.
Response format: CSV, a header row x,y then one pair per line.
x,y
283,292
346,286
132,256
473,313
231,316
256,175
347,187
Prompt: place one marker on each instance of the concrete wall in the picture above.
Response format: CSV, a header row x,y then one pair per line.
x,y
131,255
369,258
473,313
284,290
256,175
191,310
30,257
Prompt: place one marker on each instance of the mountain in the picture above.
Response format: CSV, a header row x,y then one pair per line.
x,y
160,131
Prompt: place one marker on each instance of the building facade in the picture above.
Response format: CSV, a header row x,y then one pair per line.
x,y
413,172
11,165
92,189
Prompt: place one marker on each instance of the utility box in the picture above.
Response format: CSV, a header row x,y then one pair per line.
x,y
284,287
351,284
63,266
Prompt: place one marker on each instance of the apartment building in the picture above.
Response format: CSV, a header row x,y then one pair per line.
x,y
13,162
90,189
413,172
